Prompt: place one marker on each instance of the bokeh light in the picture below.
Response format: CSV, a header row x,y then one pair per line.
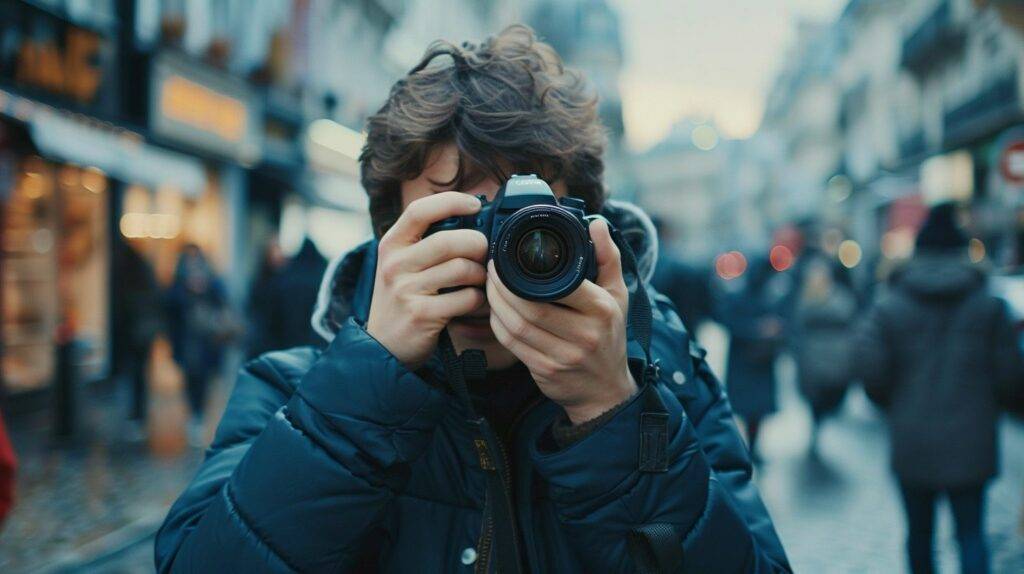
x,y
850,253
704,137
976,250
730,265
781,258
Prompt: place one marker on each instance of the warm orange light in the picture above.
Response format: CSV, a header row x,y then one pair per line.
x,y
194,104
780,257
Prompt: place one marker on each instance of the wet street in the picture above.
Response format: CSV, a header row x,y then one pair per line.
x,y
92,503
843,514
93,506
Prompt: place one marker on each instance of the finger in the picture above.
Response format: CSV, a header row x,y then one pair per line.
x,y
609,260
458,272
423,212
449,305
520,327
559,321
534,360
445,245
590,299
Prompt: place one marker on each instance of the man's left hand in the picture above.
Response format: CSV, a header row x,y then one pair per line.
x,y
575,348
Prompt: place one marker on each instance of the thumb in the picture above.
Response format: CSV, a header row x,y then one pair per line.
x,y
609,262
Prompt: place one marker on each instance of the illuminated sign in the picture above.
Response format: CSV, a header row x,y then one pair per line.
x,y
196,105
204,108
71,70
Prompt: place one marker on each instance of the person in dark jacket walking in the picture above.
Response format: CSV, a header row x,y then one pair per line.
x,y
368,456
937,351
200,327
137,320
752,312
263,310
686,285
296,296
822,338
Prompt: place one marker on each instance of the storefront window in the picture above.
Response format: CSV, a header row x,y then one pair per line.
x,y
160,222
55,261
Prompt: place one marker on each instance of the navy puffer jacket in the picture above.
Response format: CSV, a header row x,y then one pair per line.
x,y
345,461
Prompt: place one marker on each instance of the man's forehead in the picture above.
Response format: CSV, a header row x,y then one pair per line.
x,y
444,162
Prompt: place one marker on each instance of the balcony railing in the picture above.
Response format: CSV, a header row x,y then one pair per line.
x,y
937,38
990,109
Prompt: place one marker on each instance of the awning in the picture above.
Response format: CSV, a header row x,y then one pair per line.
x,y
337,192
121,154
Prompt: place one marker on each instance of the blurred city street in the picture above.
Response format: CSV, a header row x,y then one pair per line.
x,y
87,503
831,191
842,513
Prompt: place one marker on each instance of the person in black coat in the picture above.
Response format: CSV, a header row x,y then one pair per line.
x,y
137,319
937,351
298,284
200,327
687,286
820,336
752,313
263,310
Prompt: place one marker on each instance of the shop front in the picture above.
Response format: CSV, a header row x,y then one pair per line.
x,y
54,221
216,119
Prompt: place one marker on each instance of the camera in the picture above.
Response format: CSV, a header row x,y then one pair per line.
x,y
540,244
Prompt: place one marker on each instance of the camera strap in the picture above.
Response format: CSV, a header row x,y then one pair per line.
x,y
499,513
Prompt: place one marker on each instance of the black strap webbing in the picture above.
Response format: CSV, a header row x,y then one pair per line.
x,y
461,371
656,549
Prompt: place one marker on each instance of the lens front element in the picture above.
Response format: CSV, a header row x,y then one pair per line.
x,y
540,252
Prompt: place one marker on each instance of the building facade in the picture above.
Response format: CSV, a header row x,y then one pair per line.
x,y
918,102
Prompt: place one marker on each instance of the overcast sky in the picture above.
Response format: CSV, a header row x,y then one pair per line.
x,y
714,58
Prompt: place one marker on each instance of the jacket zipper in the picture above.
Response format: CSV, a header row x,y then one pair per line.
x,y
484,542
487,533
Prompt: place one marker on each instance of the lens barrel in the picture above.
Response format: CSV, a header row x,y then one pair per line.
x,y
540,252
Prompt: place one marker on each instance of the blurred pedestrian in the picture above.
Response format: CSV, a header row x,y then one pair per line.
x,y
137,319
752,314
265,314
298,287
938,352
201,326
686,285
821,338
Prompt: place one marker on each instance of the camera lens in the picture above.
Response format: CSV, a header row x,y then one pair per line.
x,y
540,252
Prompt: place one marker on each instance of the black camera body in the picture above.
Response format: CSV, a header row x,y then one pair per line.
x,y
540,244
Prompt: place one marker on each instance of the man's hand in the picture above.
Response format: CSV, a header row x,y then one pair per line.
x,y
575,349
407,314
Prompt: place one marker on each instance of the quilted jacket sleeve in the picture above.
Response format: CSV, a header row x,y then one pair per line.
x,y
705,502
298,487
873,353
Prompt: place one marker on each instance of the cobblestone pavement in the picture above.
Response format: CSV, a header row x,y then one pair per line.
x,y
843,514
81,499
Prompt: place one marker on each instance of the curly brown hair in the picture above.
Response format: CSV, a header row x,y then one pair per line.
x,y
505,103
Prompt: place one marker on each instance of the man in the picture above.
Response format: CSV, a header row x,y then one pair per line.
x,y
939,353
361,458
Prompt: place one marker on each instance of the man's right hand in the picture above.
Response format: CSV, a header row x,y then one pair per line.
x,y
407,313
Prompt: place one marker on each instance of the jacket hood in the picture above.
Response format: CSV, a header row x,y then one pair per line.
x,y
939,277
347,285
